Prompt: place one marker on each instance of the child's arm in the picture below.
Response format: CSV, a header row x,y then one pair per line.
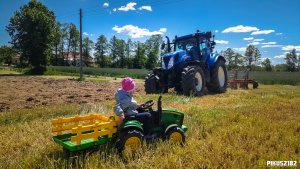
x,y
119,112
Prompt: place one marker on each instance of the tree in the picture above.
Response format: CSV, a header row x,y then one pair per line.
x,y
7,54
32,33
250,52
57,41
257,56
267,65
74,41
291,60
128,53
113,51
120,47
139,58
87,46
152,46
229,54
100,49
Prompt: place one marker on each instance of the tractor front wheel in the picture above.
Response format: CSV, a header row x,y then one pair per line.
x,y
152,84
193,81
175,135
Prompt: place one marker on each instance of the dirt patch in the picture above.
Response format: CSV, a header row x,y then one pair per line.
x,y
17,92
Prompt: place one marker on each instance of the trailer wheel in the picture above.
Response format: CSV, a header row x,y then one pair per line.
x,y
130,140
193,81
218,82
255,84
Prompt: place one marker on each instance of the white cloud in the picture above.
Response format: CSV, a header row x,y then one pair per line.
x,y
136,32
115,9
242,49
240,28
254,43
279,56
105,4
216,31
279,33
271,46
148,8
269,43
259,32
85,34
128,7
258,40
221,41
291,47
250,38
163,30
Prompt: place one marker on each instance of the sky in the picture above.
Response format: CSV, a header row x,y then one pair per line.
x,y
273,26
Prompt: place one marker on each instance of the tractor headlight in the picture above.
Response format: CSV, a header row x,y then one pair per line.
x,y
171,63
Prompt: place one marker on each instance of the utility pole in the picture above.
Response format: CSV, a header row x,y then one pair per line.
x,y
80,50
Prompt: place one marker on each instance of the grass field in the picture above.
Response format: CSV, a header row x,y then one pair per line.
x,y
238,129
285,78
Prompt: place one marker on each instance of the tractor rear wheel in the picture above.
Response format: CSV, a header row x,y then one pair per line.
x,y
218,82
152,84
130,140
192,81
175,135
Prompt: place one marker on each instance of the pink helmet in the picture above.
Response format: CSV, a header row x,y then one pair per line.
x,y
128,84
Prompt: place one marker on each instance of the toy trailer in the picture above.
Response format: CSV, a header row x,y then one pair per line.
x,y
83,132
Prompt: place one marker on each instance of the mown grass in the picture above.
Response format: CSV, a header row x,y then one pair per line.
x,y
238,129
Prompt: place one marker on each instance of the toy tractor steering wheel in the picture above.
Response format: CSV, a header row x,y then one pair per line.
x,y
147,105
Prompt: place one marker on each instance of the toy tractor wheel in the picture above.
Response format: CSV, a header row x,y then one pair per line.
x,y
152,84
130,140
193,81
218,82
175,135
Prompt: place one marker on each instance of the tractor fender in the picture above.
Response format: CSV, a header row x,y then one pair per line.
x,y
170,126
213,59
132,124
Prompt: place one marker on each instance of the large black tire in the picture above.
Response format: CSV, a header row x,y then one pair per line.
x,y
125,137
152,84
192,81
218,81
175,135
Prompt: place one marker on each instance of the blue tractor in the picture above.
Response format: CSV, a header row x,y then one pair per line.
x,y
189,66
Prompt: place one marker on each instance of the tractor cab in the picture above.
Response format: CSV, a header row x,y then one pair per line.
x,y
193,47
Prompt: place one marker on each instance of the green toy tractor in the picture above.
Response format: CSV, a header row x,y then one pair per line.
x,y
167,125
81,133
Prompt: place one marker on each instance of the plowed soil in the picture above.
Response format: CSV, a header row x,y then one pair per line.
x,y
18,92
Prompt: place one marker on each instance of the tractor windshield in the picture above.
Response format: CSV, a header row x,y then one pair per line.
x,y
185,44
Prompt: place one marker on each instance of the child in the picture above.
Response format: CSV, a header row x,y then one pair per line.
x,y
127,107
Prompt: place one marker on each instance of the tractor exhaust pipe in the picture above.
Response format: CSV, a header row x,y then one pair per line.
x,y
159,109
168,44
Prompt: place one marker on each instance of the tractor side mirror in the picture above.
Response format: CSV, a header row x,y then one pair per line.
x,y
163,46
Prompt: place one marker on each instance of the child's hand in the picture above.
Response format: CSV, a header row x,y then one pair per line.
x,y
121,118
